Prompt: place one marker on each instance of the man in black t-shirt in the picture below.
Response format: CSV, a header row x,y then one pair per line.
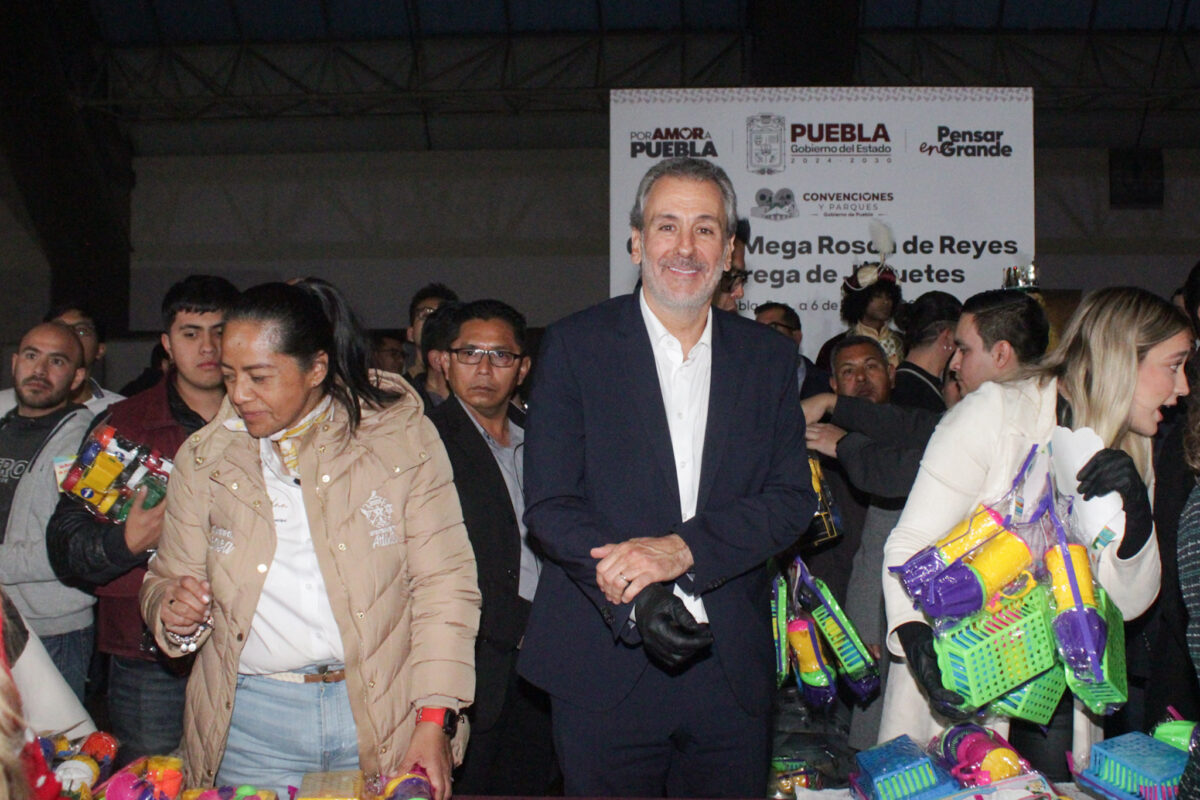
x,y
47,368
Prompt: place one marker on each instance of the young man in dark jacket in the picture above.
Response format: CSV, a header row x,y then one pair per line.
x,y
146,691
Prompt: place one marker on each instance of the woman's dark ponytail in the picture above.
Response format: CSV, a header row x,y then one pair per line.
x,y
312,316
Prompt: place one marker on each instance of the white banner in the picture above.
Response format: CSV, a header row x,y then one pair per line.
x,y
949,170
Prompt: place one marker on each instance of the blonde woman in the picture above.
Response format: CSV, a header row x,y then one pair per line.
x,y
1120,360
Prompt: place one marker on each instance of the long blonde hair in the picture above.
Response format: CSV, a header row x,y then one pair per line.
x,y
1096,361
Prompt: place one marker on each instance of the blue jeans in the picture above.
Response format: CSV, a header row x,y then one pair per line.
x,y
145,707
72,653
281,730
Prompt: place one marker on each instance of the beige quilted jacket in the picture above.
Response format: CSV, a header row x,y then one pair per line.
x,y
397,564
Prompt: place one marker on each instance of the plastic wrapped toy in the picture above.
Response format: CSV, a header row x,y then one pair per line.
x,y
1078,628
976,755
982,524
856,664
967,583
1133,765
110,468
813,673
412,785
899,769
827,522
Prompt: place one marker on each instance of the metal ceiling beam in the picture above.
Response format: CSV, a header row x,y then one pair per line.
x,y
497,74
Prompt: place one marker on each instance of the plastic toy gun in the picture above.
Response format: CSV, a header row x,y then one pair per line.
x,y
856,663
813,672
977,755
966,585
916,573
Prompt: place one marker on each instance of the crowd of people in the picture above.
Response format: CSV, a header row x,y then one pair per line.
x,y
542,564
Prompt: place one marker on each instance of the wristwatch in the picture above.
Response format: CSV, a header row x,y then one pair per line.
x,y
446,718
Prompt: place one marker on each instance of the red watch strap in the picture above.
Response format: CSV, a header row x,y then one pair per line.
x,y
434,715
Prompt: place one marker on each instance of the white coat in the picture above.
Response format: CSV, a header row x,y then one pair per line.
x,y
972,458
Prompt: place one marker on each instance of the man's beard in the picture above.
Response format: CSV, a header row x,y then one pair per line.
x,y
49,399
693,302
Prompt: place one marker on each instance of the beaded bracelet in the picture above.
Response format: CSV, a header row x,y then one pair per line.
x,y
189,643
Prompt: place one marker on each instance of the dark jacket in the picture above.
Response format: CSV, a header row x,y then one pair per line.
x,y
85,548
492,528
599,468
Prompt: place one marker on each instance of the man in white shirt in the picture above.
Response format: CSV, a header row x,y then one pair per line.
x,y
664,465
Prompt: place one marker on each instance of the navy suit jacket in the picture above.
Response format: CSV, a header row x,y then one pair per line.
x,y
599,469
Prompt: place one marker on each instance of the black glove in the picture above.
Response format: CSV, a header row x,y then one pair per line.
x,y
670,633
917,640
1112,470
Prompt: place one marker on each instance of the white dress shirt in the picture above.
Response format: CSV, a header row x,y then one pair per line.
x,y
684,382
293,625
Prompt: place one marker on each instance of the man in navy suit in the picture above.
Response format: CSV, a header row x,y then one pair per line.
x,y
664,464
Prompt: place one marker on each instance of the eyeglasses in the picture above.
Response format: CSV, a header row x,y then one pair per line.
x,y
424,312
473,355
782,327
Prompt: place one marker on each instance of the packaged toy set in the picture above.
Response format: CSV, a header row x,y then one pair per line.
x,y
1017,614
110,469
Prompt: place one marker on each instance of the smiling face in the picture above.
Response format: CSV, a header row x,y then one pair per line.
x,y
268,389
47,368
682,248
1160,382
486,389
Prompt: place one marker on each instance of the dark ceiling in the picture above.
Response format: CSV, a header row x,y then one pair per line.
x,y
85,85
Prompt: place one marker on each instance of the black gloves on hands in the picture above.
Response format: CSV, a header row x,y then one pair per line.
x,y
1112,470
670,633
917,640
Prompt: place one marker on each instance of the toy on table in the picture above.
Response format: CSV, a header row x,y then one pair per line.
x,y
339,785
813,672
976,755
855,663
110,468
793,777
899,770
412,785
244,792
1132,766
78,774
980,525
148,778
102,747
1175,732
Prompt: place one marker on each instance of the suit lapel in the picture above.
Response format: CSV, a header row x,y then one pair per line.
x,y
727,378
644,394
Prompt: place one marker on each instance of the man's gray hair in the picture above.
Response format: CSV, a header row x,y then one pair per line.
x,y
696,169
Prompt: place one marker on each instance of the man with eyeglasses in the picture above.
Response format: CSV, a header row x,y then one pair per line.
x,y
783,319
664,465
91,332
510,752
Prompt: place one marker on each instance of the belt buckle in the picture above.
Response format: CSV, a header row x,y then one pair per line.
x,y
326,673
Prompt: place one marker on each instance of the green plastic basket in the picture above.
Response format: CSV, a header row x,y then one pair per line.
x,y
1112,692
988,655
1033,700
